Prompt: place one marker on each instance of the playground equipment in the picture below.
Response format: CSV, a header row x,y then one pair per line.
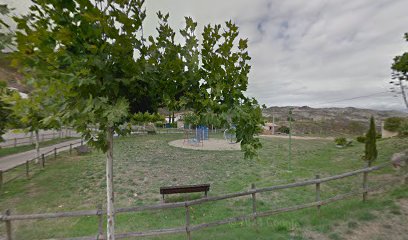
x,y
198,137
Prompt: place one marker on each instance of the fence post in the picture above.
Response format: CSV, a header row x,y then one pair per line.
x,y
1,178
254,204
188,222
15,142
55,153
70,148
100,222
42,160
27,169
318,193
365,186
8,226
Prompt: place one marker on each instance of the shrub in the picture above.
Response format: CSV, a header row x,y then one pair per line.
x,y
403,130
393,124
361,139
284,129
341,141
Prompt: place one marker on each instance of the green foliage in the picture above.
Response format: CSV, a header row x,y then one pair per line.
x,y
400,74
143,118
361,139
5,31
284,129
97,59
191,118
340,141
370,144
4,109
393,123
403,129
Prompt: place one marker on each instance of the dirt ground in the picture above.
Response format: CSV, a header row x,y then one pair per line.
x,y
211,144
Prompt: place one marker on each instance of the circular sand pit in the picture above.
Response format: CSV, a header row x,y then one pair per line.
x,y
211,145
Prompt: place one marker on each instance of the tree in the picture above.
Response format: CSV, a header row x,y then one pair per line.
x,y
370,143
32,113
400,75
5,41
95,55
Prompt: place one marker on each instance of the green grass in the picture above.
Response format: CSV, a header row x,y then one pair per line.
x,y
145,163
13,150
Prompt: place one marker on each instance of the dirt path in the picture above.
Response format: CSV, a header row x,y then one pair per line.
x,y
11,161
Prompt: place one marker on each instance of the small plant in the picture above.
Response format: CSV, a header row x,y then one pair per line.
x,y
284,129
361,139
341,141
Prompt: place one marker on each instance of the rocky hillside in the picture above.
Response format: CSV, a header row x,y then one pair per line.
x,y
329,121
306,113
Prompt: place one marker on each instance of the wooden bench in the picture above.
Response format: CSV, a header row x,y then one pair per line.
x,y
185,189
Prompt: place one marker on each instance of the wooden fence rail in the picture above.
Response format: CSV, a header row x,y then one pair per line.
x,y
26,173
19,141
7,217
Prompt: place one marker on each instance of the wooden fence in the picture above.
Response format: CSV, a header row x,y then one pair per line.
x,y
20,141
8,218
54,152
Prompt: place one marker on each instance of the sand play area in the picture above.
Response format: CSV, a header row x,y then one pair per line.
x,y
211,145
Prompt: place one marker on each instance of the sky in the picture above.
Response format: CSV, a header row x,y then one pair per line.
x,y
317,53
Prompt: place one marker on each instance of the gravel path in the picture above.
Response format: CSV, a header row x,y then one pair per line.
x,y
13,160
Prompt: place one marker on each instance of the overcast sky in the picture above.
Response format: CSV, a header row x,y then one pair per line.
x,y
313,52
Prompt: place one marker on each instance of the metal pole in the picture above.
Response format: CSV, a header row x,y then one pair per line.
x,y
290,139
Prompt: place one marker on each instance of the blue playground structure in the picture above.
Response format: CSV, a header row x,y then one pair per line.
x,y
201,134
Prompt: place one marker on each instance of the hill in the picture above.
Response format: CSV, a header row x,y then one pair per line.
x,y
329,121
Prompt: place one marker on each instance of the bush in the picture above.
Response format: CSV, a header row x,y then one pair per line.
x,y
403,130
341,141
393,124
378,136
283,129
361,139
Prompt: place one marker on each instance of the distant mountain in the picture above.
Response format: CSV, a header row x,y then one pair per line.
x,y
306,113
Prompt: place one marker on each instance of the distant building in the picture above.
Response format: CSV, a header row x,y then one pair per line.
x,y
270,128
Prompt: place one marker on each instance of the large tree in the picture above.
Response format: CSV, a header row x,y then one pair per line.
x,y
400,75
95,55
5,42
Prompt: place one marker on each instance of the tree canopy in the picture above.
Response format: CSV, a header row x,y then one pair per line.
x,y
400,75
94,56
97,58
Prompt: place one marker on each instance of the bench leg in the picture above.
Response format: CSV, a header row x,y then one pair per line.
x,y
205,193
162,198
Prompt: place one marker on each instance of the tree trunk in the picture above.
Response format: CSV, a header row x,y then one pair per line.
x,y
37,145
109,187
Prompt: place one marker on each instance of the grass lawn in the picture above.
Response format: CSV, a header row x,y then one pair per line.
x,y
13,150
145,163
